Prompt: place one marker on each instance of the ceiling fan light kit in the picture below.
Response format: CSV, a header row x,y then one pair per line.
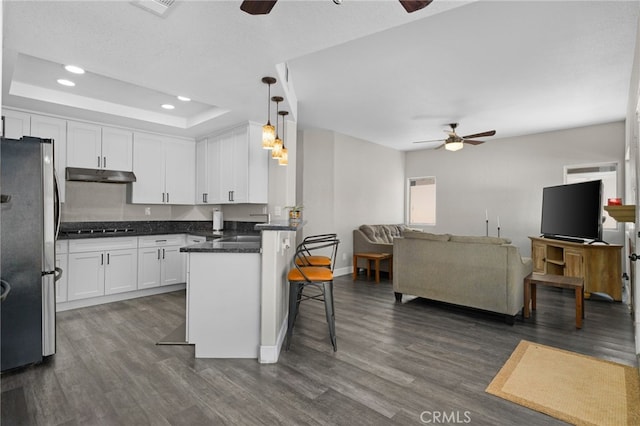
x,y
455,142
263,7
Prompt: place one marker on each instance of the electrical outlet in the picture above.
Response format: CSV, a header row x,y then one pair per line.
x,y
277,211
147,211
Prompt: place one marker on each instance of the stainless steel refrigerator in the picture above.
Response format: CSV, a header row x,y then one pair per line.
x,y
28,225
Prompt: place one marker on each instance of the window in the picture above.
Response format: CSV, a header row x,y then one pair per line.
x,y
606,172
422,201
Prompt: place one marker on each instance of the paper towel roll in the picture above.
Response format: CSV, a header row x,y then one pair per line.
x,y
218,222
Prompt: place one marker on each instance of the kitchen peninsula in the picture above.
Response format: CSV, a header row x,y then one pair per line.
x,y
236,298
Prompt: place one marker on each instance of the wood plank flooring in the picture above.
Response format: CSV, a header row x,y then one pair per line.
x,y
395,362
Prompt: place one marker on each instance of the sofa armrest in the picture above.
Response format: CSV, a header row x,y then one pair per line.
x,y
518,268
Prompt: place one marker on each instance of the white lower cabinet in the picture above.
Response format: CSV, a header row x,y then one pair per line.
x,y
160,261
101,266
62,260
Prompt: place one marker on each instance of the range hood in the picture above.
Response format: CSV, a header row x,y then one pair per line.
x,y
96,175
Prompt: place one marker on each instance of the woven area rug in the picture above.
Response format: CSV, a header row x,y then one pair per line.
x,y
575,388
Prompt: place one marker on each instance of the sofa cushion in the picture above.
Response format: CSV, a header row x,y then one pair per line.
x,y
382,233
425,235
479,240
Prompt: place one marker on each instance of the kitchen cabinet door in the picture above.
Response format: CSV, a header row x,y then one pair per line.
x,y
121,271
227,172
117,149
149,274
214,160
202,173
16,124
148,166
180,177
56,129
173,266
86,275
84,145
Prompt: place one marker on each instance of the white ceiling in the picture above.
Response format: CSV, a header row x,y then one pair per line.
x,y
363,68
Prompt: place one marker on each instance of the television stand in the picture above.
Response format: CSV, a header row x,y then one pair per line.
x,y
562,238
600,265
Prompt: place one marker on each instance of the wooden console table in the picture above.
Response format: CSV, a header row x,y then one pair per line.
x,y
599,265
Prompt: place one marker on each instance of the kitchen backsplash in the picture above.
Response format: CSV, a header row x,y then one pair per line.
x,y
90,201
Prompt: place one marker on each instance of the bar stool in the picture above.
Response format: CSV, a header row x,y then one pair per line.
x,y
317,279
312,242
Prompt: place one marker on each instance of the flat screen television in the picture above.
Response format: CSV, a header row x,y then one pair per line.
x,y
572,211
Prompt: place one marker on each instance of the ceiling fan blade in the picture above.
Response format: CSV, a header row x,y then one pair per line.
x,y
413,5
480,135
472,142
432,140
257,7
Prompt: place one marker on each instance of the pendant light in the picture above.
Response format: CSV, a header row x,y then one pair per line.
x,y
268,131
284,155
277,143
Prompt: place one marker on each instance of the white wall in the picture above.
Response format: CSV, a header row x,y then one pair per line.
x,y
348,182
506,177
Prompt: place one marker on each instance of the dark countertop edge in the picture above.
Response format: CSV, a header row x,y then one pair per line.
x,y
72,236
279,226
215,247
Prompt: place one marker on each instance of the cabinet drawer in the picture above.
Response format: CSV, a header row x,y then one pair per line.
x,y
194,239
101,244
161,240
62,247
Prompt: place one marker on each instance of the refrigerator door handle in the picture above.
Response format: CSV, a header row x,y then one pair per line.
x,y
58,274
57,207
6,288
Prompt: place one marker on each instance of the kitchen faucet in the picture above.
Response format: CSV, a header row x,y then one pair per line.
x,y
268,215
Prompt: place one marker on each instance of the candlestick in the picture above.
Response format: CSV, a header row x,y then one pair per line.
x,y
498,232
486,226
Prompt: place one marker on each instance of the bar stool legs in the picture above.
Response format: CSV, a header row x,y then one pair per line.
x,y
296,296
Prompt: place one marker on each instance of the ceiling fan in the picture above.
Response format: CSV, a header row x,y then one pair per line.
x,y
455,142
263,7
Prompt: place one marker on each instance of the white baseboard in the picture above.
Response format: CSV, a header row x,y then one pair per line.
x,y
270,354
83,303
347,270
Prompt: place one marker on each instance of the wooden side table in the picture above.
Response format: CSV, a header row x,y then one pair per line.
x,y
372,257
575,283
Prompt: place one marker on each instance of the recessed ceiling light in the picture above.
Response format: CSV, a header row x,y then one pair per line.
x,y
184,98
74,69
168,106
65,82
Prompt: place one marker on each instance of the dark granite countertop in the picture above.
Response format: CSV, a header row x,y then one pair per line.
x,y
218,246
80,230
282,225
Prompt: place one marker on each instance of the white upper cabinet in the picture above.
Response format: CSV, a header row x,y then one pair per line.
x,y
180,177
53,128
164,169
202,173
236,169
84,145
117,149
91,146
15,124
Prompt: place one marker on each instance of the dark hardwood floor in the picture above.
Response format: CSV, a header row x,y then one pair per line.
x,y
395,362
